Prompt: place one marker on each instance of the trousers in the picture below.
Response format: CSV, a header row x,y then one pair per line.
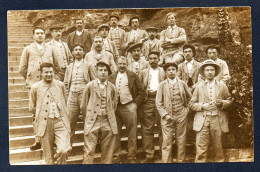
x,y
127,114
73,104
211,128
178,126
57,133
101,130
150,117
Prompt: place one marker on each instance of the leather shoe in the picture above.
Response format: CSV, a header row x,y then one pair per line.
x,y
36,146
147,161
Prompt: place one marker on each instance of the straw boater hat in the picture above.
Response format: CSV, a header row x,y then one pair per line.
x,y
103,26
167,65
151,28
136,45
105,64
209,62
55,27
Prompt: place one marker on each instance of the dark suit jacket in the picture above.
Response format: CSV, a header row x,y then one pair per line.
x,y
87,40
135,86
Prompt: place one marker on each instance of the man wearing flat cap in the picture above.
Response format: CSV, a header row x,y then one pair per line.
x,y
77,75
108,45
209,100
63,52
98,105
188,71
172,103
80,36
151,78
116,34
213,52
172,40
136,63
152,44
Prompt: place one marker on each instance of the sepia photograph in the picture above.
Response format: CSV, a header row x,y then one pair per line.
x,y
130,86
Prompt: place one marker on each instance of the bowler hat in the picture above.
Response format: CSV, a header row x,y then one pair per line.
x,y
55,27
105,64
136,45
167,65
209,62
103,26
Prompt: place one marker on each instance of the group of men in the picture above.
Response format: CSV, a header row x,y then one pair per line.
x,y
121,78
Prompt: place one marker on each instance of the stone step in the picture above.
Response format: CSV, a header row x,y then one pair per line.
x,y
13,63
17,87
20,26
20,121
15,53
13,68
18,44
29,41
15,49
19,80
16,103
19,95
24,155
19,112
14,75
20,36
14,58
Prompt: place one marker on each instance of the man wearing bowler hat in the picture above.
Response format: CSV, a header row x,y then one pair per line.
x,y
116,34
136,63
213,52
209,100
152,44
172,103
188,71
98,105
63,52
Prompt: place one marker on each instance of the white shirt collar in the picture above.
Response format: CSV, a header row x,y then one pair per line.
x,y
79,32
172,81
189,61
102,83
210,83
172,27
116,28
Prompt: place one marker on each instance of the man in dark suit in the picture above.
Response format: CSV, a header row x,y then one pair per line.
x,y
131,95
80,36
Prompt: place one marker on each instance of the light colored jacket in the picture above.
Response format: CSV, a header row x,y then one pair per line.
x,y
156,46
201,96
122,35
141,34
38,104
91,103
163,98
31,60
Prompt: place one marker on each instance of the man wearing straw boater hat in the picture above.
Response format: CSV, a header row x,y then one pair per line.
x,y
172,103
209,100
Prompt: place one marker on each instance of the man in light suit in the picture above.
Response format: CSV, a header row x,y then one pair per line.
x,y
77,75
188,71
151,78
47,101
172,40
32,57
80,36
152,44
99,54
209,100
131,96
172,103
108,44
63,52
136,63
213,52
98,106
116,34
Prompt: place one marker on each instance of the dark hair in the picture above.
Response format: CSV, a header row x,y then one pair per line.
x,y
213,47
154,52
75,45
133,19
101,64
38,28
45,65
191,47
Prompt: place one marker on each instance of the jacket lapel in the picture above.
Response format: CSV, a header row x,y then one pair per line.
x,y
70,73
130,80
97,89
84,34
167,89
217,89
36,48
161,75
113,78
194,67
205,90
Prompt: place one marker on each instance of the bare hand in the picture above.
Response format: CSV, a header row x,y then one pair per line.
x,y
168,118
209,106
219,103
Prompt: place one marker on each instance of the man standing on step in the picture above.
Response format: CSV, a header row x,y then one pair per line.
x,y
136,63
131,96
188,71
151,78
77,75
117,34
63,52
47,101
209,100
172,40
32,57
80,36
99,54
99,103
172,103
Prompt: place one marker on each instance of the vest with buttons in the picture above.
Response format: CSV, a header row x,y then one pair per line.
x,y
123,89
78,80
176,101
212,96
103,107
78,39
53,110
115,37
62,55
